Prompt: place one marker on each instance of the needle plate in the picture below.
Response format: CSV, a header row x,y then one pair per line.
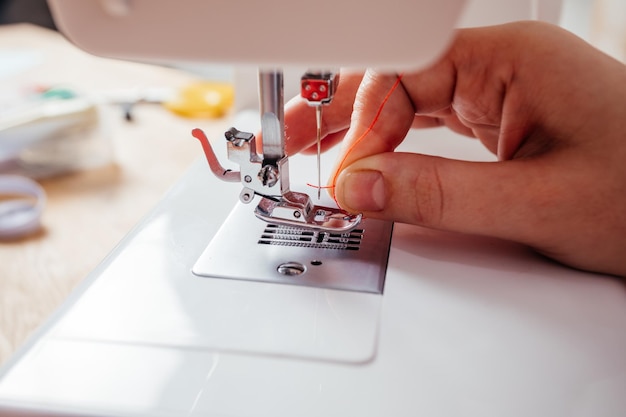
x,y
247,248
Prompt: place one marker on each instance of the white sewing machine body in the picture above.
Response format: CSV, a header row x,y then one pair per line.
x,y
464,325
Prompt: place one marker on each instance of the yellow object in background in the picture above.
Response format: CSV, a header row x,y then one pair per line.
x,y
202,100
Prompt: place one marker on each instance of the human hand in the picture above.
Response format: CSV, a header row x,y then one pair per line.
x,y
549,105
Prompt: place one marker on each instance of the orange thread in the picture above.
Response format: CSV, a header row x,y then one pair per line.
x,y
367,131
321,187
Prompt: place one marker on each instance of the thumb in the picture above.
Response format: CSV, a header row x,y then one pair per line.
x,y
487,198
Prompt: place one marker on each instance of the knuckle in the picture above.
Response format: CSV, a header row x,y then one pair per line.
x,y
428,196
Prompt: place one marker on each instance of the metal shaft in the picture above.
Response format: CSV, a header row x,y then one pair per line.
x,y
271,97
318,120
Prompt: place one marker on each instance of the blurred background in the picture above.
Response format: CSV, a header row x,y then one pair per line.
x,y
26,11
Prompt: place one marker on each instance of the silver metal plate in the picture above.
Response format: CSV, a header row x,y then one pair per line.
x,y
247,248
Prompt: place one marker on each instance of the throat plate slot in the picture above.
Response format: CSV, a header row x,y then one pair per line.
x,y
306,238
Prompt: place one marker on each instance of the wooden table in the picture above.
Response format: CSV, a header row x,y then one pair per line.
x,y
88,212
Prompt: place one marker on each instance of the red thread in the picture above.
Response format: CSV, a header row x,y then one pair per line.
x,y
367,131
321,187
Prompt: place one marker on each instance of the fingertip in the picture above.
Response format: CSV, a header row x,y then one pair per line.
x,y
361,190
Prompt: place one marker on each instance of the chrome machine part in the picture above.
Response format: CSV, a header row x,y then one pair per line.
x,y
268,175
295,209
354,260
279,204
271,99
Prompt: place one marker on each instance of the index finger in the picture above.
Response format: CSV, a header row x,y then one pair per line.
x,y
383,114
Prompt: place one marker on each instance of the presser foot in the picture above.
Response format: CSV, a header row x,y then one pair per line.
x,y
278,204
295,209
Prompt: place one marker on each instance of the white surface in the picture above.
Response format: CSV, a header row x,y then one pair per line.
x,y
467,326
490,12
269,32
178,309
13,62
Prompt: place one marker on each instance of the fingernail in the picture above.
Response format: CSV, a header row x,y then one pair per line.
x,y
364,190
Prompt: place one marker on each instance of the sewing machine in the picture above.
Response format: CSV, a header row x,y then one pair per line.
x,y
237,306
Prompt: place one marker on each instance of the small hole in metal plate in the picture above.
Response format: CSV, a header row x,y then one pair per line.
x,y
316,262
291,268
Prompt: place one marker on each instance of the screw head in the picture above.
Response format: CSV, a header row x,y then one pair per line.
x,y
268,175
291,268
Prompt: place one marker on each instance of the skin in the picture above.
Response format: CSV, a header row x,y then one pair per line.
x,y
550,106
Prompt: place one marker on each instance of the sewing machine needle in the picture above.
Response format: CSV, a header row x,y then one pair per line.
x,y
318,120
318,87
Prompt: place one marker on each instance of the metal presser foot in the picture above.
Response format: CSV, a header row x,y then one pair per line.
x,y
278,204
